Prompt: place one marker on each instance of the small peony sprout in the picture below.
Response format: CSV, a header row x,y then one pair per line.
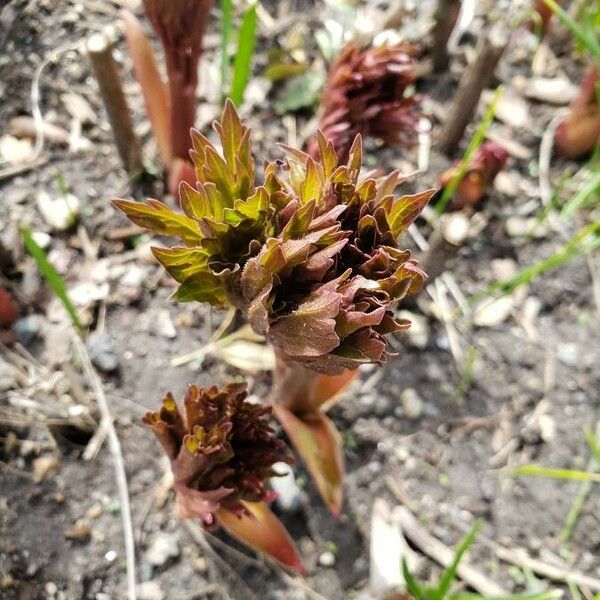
x,y
221,448
486,163
367,93
579,132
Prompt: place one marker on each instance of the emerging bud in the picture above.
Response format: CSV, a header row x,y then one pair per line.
x,y
221,448
579,132
310,257
485,164
366,93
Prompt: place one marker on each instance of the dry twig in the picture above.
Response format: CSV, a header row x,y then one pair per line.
x,y
115,449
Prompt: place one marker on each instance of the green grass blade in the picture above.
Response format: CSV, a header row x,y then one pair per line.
x,y
586,36
584,242
50,274
593,442
243,56
547,595
590,190
474,145
577,506
226,30
553,473
413,587
449,574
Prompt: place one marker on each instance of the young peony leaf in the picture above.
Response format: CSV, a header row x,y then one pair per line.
x,y
486,163
319,445
158,217
403,211
310,329
202,287
301,390
262,531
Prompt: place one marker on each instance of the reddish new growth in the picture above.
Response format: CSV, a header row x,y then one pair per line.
x,y
221,447
366,93
486,163
180,25
579,132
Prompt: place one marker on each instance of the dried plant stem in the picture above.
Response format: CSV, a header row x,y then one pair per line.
x,y
106,71
474,80
115,449
445,241
445,19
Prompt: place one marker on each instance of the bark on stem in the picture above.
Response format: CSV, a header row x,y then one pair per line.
x,y
474,80
445,19
111,89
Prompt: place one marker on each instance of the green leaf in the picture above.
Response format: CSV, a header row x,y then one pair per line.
x,y
594,444
300,92
243,56
449,574
591,190
414,588
282,70
587,35
159,218
202,287
539,471
401,212
586,240
182,262
50,274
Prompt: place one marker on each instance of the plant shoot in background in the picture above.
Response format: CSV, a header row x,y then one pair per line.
x,y
171,106
367,93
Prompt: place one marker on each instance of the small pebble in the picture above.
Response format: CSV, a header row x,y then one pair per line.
x,y
289,496
101,352
327,559
43,466
110,556
51,588
164,547
28,329
149,590
412,404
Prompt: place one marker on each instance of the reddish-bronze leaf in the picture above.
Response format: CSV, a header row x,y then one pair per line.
x,y
319,445
262,531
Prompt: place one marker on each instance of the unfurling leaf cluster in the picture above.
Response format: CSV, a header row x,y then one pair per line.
x,y
310,256
368,93
221,448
